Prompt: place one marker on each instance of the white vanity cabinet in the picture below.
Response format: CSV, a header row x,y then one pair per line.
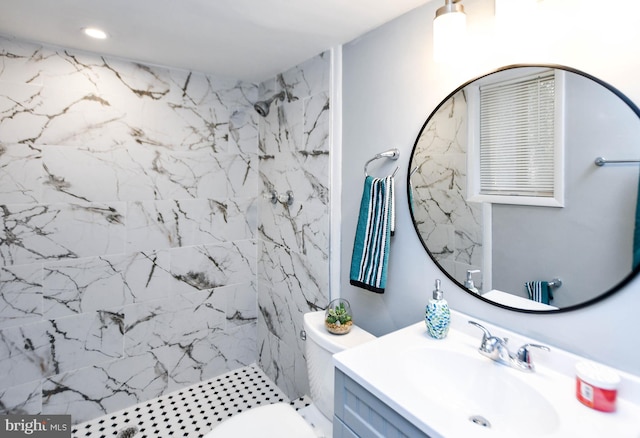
x,y
407,384
360,414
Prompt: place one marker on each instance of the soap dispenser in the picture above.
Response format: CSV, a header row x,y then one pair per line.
x,y
437,314
469,281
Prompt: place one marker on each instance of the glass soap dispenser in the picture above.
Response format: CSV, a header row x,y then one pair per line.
x,y
437,314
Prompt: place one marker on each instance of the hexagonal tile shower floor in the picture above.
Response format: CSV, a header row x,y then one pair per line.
x,y
192,411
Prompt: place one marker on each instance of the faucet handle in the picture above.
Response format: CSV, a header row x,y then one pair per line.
x,y
489,342
486,333
524,355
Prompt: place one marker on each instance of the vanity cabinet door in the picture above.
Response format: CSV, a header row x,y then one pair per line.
x,y
358,413
340,430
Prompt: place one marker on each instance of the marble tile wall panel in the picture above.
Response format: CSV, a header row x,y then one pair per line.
x,y
21,399
39,232
175,320
51,347
129,218
93,95
143,173
281,129
294,240
239,302
20,294
309,78
21,174
450,225
210,266
290,284
316,124
107,282
209,357
170,224
281,362
302,226
93,391
243,122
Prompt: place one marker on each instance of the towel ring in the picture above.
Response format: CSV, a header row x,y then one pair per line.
x,y
392,154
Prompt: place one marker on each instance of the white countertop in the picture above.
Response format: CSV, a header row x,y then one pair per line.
x,y
515,301
375,365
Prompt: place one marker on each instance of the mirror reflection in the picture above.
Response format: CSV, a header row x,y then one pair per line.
x,y
507,199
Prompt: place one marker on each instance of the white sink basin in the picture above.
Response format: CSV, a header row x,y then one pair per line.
x,y
447,389
479,390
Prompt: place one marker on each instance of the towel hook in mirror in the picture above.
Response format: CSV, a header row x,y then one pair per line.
x,y
392,154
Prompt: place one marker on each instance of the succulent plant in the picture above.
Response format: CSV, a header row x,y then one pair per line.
x,y
338,314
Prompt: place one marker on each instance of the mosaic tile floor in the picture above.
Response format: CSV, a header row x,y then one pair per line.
x,y
192,411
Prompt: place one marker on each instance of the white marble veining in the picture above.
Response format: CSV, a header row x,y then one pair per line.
x,y
107,282
21,292
451,224
128,200
293,268
137,253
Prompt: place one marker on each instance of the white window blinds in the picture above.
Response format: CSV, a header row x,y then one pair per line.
x,y
517,135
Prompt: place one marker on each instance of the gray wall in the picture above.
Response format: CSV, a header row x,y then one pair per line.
x,y
390,87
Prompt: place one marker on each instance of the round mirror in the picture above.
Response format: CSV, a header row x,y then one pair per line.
x,y
506,196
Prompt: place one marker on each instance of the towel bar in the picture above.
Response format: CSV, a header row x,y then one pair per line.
x,y
392,154
601,161
556,282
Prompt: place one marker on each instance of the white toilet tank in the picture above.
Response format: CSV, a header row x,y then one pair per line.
x,y
320,347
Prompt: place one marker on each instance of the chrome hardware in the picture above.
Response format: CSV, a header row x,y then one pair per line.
x,y
556,282
601,161
285,199
523,356
468,283
303,335
496,349
392,154
272,196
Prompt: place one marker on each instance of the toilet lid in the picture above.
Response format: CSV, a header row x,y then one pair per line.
x,y
278,420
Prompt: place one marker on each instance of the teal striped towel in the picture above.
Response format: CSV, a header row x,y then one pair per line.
x,y
539,291
376,225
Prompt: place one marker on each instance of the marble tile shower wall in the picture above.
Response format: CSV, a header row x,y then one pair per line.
x,y
293,251
128,240
441,210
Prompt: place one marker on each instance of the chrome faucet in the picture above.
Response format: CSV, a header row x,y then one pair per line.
x,y
496,349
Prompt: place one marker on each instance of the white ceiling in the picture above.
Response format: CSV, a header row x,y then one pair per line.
x,y
243,39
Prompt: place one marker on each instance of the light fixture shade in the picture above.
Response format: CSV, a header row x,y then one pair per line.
x,y
449,32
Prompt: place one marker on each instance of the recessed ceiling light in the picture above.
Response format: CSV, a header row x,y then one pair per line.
x,y
94,32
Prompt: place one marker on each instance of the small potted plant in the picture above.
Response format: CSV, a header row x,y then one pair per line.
x,y
338,318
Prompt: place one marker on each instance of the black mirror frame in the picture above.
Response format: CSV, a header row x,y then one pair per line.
x,y
625,281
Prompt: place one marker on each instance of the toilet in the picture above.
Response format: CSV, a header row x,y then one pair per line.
x,y
280,420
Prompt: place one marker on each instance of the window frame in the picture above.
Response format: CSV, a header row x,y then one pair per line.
x,y
473,133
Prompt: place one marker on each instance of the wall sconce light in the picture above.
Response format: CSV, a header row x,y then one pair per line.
x,y
449,31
